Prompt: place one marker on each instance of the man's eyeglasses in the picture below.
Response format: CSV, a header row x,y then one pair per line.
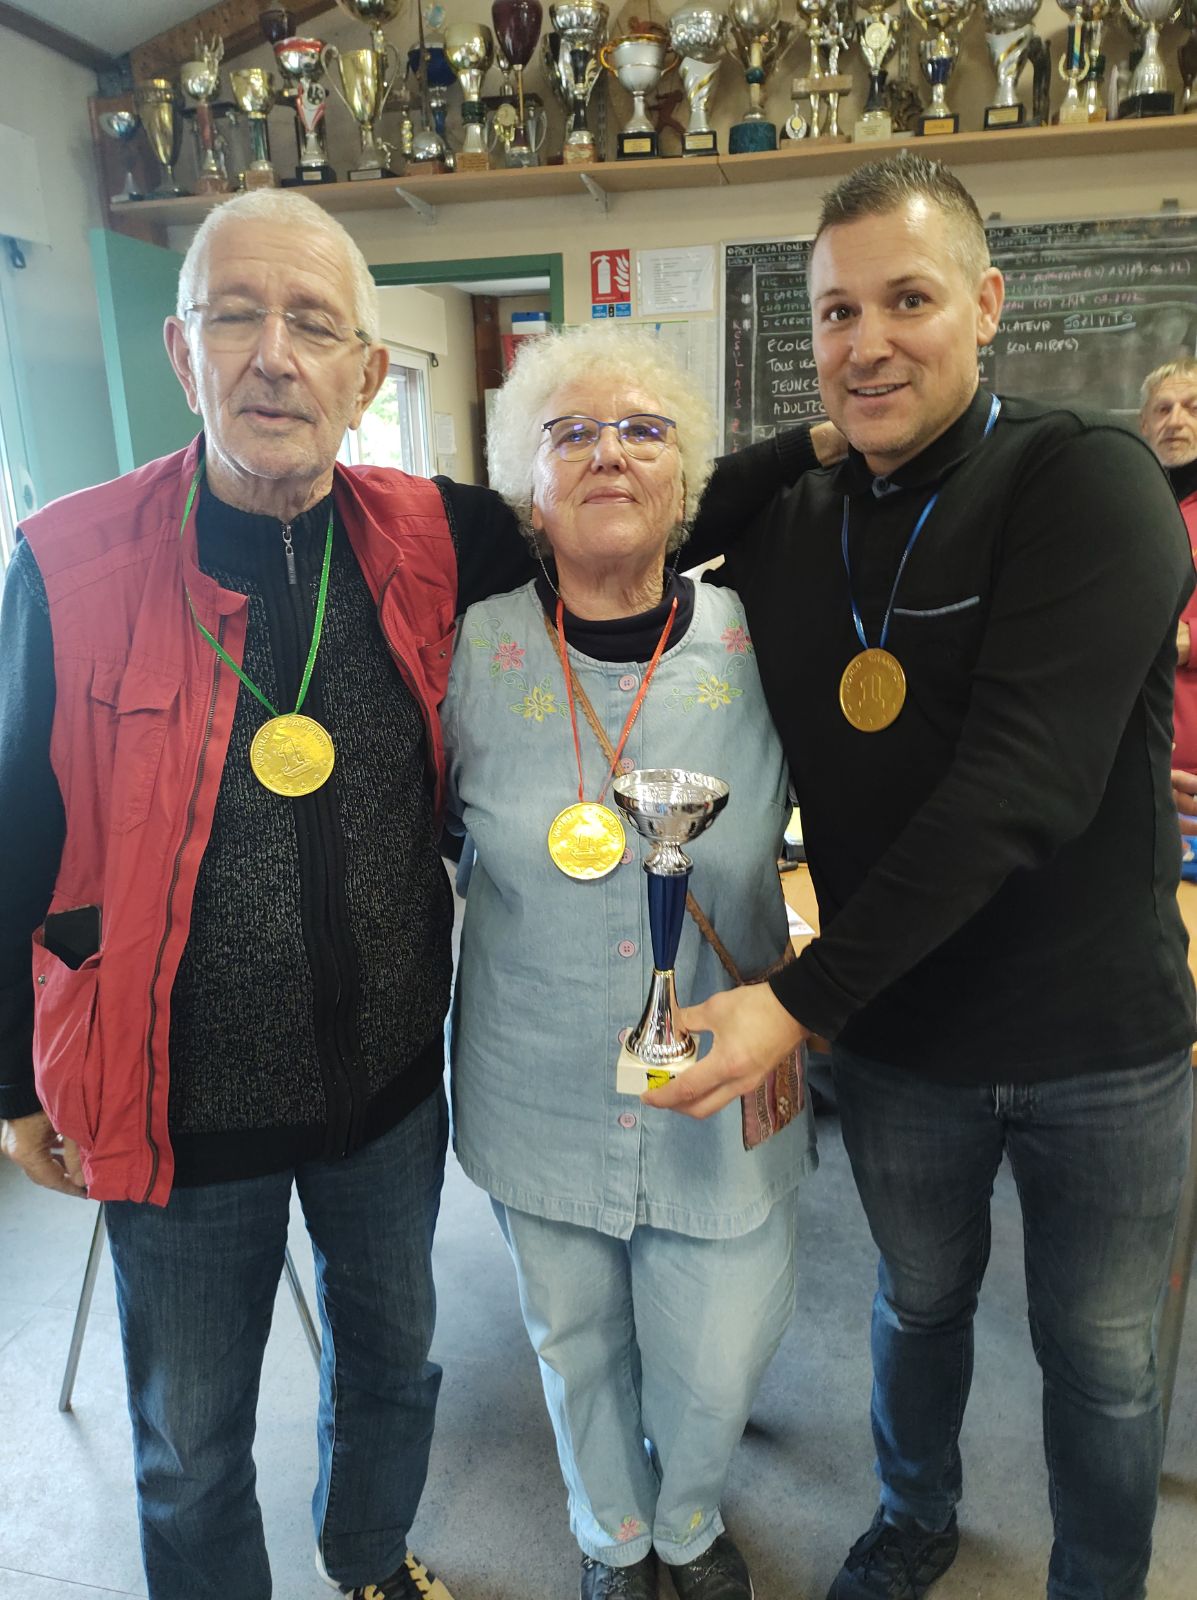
x,y
237,325
643,435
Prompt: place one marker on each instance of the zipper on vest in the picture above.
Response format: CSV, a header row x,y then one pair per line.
x,y
289,552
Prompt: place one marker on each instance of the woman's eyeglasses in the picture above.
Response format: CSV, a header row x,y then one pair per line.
x,y
643,435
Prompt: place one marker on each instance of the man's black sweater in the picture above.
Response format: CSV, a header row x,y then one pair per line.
x,y
997,870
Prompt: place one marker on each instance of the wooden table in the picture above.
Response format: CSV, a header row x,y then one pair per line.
x,y
800,894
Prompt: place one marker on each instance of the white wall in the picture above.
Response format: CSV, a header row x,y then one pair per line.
x,y
64,427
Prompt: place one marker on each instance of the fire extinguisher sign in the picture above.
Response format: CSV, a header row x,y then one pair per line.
x,y
610,283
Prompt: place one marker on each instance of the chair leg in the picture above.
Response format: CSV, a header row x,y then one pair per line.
x,y
1172,1313
81,1315
301,1305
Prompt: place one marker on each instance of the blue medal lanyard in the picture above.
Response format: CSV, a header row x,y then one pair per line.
x,y
995,406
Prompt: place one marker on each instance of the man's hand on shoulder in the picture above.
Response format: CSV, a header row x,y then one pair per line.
x,y
753,1031
828,443
1184,794
42,1154
1183,644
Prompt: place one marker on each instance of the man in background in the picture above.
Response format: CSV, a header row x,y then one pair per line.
x,y
1168,421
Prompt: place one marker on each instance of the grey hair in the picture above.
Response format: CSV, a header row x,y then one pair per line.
x,y
289,209
627,357
1185,369
881,187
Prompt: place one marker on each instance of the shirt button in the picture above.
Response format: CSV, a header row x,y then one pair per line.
x,y
626,948
628,682
627,1119
626,857
623,1035
627,764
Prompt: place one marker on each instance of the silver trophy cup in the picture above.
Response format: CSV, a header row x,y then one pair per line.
x,y
1012,40
668,806
698,33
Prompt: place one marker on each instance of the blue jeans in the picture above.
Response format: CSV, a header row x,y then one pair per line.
x,y
1098,1162
661,1337
196,1283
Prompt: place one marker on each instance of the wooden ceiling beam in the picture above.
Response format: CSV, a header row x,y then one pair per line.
x,y
63,44
236,21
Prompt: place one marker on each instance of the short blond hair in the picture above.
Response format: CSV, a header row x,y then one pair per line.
x,y
1185,369
631,357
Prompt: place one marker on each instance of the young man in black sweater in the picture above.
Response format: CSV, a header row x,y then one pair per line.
x,y
967,635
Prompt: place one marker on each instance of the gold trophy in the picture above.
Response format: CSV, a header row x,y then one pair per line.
x,y
1089,16
374,13
943,21
698,33
366,78
758,38
878,36
157,102
469,50
253,90
200,81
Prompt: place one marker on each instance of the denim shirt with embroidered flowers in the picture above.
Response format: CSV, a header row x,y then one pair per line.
x,y
552,970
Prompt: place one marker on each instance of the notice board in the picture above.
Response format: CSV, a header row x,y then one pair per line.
x,y
1091,308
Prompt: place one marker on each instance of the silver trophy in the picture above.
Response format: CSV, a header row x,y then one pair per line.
x,y
200,82
469,50
638,61
942,21
878,36
668,806
1012,40
835,39
122,126
1086,19
758,38
580,30
698,33
1149,95
301,63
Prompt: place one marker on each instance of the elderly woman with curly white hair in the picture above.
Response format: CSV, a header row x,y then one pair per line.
x,y
654,1253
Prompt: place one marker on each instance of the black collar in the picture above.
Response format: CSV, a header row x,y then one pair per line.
x,y
930,466
245,543
1183,479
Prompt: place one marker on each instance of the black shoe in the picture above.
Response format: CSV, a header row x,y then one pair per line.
x,y
637,1582
719,1573
413,1581
893,1562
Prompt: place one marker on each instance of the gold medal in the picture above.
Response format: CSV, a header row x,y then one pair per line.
x,y
586,841
291,755
872,690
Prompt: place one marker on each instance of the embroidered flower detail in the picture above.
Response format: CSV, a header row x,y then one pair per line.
x,y
630,1528
695,1521
539,702
715,692
736,640
509,657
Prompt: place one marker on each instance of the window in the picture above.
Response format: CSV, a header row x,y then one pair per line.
x,y
395,430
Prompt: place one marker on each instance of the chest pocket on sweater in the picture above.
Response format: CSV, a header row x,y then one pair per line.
x,y
131,712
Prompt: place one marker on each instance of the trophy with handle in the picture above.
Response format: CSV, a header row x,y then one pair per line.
x,y
638,61
200,81
580,29
157,102
362,80
668,806
301,62
698,34
469,50
375,14
878,36
942,21
253,90
758,37
1149,94
1012,41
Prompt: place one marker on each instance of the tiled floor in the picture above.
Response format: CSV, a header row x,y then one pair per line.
x,y
492,1519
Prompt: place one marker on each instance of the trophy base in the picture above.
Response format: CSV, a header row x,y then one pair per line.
x,y
305,175
212,183
472,161
700,142
937,124
260,178
1005,117
746,137
872,127
1073,114
639,146
636,1077
1160,104
362,174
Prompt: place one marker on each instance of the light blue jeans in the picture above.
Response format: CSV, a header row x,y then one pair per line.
x,y
1098,1161
196,1281
651,1353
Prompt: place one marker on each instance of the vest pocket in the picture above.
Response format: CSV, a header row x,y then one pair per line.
x,y
66,1043
137,712
436,657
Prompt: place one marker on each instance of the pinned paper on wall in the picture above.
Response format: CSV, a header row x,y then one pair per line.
x,y
22,209
694,342
675,280
444,433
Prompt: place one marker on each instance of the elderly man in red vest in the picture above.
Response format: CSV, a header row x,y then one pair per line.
x,y
220,779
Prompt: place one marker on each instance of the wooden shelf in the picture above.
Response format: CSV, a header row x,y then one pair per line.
x,y
796,159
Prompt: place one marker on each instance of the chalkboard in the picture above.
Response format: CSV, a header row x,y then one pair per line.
x,y
1091,308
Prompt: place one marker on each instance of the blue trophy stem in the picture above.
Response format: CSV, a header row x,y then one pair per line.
x,y
666,913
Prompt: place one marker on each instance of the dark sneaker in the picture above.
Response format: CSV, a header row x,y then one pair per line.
x,y
895,1563
637,1582
413,1581
719,1573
